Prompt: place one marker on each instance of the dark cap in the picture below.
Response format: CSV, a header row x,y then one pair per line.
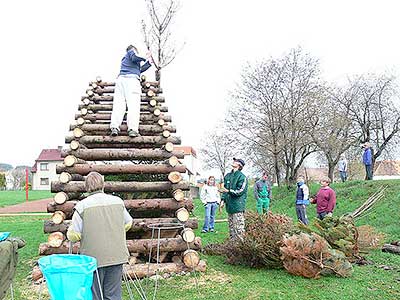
x,y
240,161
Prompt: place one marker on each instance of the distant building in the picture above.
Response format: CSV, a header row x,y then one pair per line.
x,y
191,163
44,169
387,169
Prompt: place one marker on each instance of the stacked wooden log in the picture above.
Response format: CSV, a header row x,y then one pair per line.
x,y
146,171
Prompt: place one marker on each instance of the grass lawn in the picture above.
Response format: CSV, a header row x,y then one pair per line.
x,y
15,197
223,281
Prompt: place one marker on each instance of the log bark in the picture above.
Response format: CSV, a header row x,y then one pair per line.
x,y
166,245
144,270
123,154
67,177
144,140
66,208
62,197
108,107
117,186
71,160
137,225
149,84
138,205
45,249
49,226
143,129
134,246
109,98
84,169
107,117
391,249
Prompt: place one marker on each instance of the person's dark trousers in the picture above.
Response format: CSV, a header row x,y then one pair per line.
x,y
343,175
321,215
368,170
301,211
211,209
110,283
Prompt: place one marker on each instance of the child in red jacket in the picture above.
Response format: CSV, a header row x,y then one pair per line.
x,y
325,199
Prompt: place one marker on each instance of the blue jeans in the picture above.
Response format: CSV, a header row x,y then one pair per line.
x,y
343,175
211,209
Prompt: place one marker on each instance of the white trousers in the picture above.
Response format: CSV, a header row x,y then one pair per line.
x,y
127,94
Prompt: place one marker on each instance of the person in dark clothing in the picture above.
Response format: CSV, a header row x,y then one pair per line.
x,y
367,161
234,195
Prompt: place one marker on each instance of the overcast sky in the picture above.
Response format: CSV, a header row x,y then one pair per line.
x,y
50,50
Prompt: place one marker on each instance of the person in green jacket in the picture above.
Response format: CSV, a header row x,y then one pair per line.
x,y
262,194
234,195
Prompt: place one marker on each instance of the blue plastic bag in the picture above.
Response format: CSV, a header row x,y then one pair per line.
x,y
4,235
68,277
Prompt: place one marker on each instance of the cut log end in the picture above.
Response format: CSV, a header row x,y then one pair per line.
x,y
173,161
169,147
157,112
65,177
151,93
188,235
182,214
80,121
77,132
58,217
55,239
70,160
166,133
153,102
161,122
60,197
175,177
98,79
74,145
179,195
85,101
84,111
191,258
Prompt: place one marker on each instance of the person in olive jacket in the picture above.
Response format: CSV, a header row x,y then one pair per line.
x,y
234,195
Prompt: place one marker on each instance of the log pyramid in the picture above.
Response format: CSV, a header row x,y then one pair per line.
x,y
145,171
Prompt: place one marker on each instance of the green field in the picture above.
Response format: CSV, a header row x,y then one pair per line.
x,y
16,197
223,281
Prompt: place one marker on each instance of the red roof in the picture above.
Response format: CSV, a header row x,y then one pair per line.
x,y
48,155
188,150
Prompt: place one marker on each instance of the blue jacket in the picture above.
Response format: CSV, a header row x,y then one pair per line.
x,y
367,157
302,194
130,64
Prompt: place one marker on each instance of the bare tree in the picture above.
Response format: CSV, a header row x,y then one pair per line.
x,y
333,129
374,111
271,109
217,151
18,175
157,32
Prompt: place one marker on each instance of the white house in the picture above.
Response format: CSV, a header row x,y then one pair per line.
x,y
191,163
44,169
